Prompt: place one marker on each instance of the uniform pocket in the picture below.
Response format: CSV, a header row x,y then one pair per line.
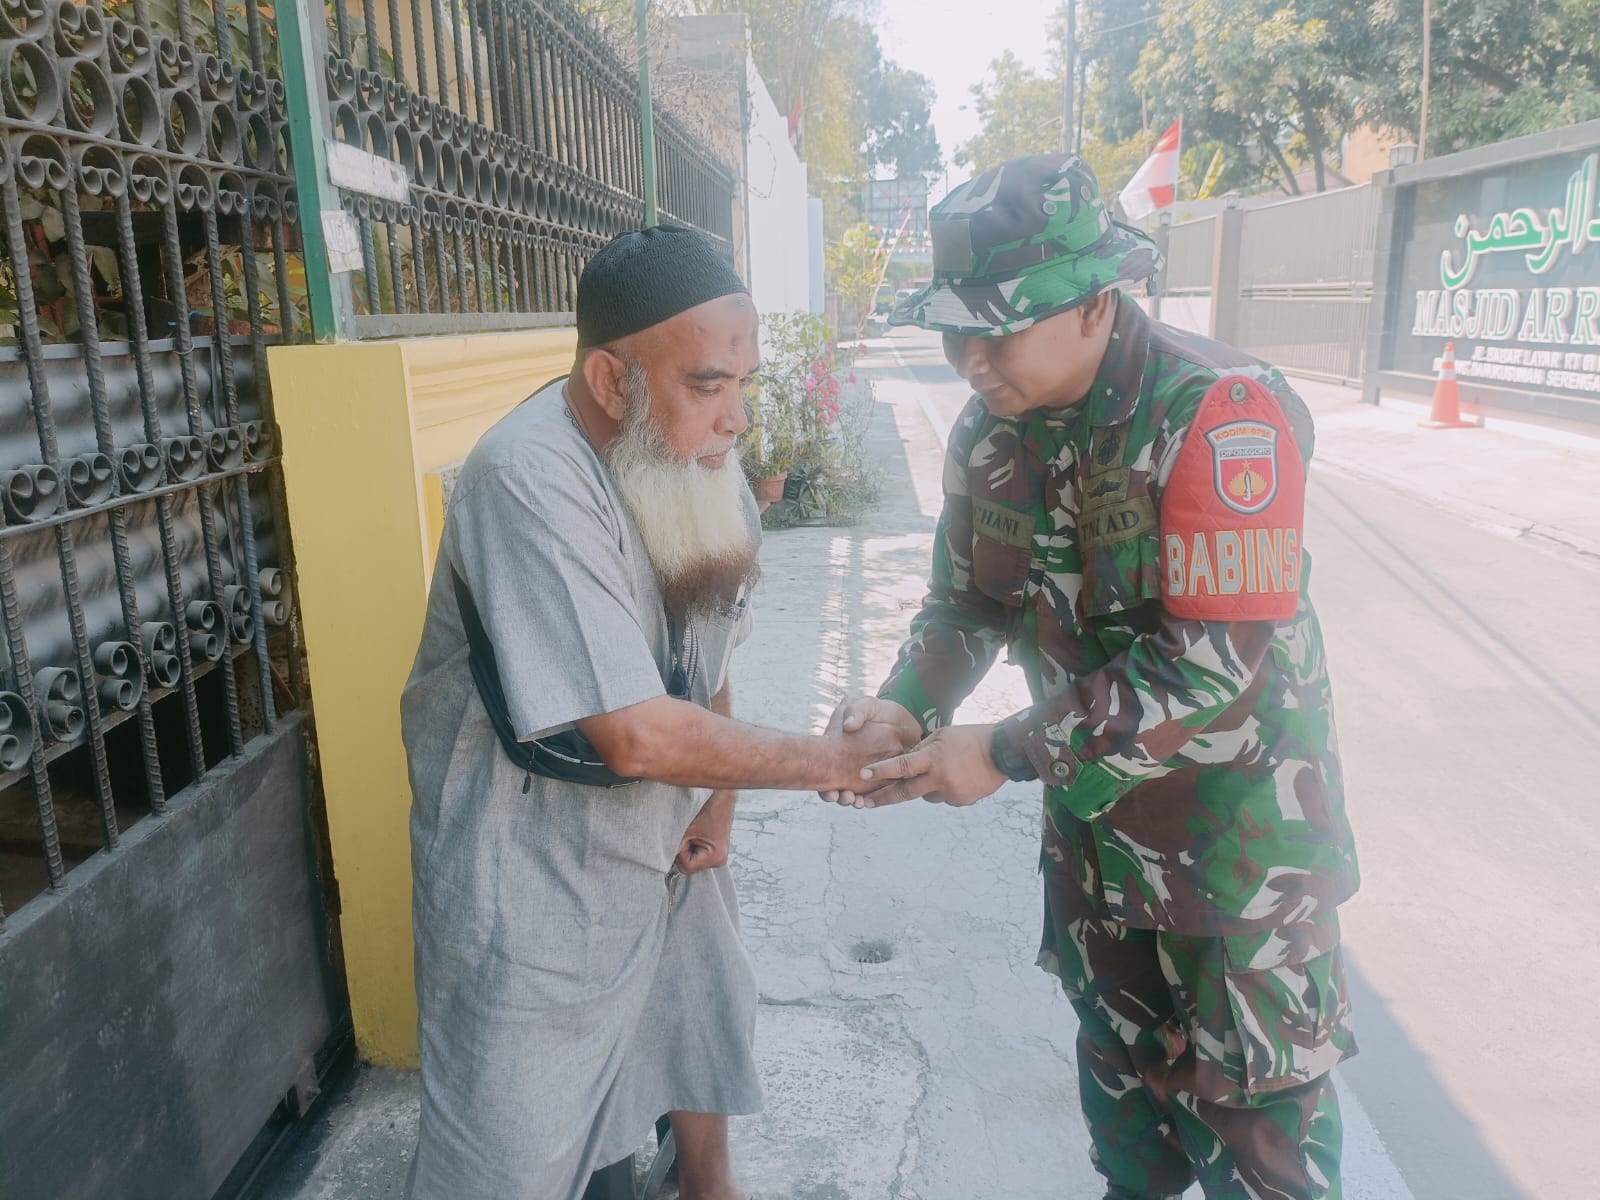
x,y
1002,549
1117,574
1288,1005
1001,571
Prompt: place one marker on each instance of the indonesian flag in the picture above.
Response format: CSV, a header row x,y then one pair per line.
x,y
1155,185
797,124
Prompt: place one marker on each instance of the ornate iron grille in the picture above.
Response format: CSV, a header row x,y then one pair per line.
x,y
518,128
151,255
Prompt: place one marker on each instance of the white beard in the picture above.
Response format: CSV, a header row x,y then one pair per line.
x,y
691,519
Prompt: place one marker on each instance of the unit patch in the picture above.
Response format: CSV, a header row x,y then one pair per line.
x,y
1233,510
1245,457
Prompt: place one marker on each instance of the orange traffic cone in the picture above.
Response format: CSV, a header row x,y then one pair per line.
x,y
1446,411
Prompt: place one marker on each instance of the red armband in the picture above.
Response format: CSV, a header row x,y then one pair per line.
x,y
1233,510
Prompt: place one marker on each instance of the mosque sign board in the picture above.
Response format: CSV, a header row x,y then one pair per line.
x,y
1504,261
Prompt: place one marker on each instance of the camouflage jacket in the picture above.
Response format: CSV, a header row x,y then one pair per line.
x,y
1189,765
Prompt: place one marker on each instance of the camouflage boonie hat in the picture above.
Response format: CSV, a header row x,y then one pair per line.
x,y
1020,243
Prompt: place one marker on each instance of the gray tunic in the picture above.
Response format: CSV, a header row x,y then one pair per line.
x,y
568,996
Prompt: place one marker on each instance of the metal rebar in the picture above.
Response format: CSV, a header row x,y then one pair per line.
x,y
139,336
49,449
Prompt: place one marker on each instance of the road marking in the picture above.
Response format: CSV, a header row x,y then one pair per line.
x,y
941,428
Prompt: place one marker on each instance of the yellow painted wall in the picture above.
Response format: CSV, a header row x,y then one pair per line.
x,y
365,430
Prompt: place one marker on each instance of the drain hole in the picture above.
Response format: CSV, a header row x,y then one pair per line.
x,y
872,952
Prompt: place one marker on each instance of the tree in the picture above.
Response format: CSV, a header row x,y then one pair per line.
x,y
1111,36
900,134
1262,73
856,263
1019,112
1501,68
862,111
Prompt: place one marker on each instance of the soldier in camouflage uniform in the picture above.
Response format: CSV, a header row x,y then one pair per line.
x,y
1123,507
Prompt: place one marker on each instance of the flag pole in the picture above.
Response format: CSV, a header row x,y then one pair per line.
x,y
1177,176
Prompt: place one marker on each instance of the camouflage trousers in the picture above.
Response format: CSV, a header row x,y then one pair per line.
x,y
1202,1058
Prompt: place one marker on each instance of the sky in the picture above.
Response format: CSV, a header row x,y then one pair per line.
x,y
952,42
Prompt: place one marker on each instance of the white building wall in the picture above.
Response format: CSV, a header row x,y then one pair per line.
x,y
777,210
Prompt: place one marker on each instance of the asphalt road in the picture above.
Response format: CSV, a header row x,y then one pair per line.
x,y
1467,681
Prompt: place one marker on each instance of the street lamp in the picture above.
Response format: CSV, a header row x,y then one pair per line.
x,y
647,121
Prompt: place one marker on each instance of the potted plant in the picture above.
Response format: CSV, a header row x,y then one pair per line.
x,y
794,400
769,449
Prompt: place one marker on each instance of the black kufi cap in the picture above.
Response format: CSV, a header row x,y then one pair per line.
x,y
648,276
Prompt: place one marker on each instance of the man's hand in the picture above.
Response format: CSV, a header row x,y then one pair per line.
x,y
851,751
856,713
952,766
705,842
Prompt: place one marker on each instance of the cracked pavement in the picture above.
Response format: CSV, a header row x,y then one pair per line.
x,y
946,1070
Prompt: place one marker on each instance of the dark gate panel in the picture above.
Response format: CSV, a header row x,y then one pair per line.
x,y
164,969
154,1014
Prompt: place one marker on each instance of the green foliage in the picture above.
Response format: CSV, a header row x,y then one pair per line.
x,y
1256,73
1111,36
1019,112
1501,68
795,396
202,13
1276,84
808,420
856,265
863,113
900,137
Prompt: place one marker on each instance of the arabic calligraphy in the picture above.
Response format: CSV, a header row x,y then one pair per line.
x,y
1574,225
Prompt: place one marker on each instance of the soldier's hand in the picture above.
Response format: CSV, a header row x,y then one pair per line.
x,y
853,715
951,766
852,751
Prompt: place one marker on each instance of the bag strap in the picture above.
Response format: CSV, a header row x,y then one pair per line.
x,y
486,675
567,756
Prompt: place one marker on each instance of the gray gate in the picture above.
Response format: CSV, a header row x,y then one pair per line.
x,y
1305,282
166,964
165,971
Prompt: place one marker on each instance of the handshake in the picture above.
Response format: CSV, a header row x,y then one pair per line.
x,y
882,745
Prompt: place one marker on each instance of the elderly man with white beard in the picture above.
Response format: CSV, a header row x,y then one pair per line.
x,y
574,761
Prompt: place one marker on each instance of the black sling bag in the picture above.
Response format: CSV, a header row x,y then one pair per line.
x,y
567,756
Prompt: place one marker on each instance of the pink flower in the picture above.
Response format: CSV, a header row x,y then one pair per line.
x,y
811,384
852,376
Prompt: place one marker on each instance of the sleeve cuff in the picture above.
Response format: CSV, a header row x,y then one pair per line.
x,y
1055,766
906,691
1087,788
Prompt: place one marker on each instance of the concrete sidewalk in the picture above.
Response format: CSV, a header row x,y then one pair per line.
x,y
1520,479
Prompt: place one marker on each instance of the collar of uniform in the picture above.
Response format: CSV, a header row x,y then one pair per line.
x,y
1115,391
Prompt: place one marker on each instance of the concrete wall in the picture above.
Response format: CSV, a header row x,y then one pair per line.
x,y
776,201
368,430
1186,312
707,63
